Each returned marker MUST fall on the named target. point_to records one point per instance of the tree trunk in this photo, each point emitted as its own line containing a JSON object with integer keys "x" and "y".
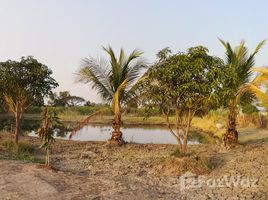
{"x": 230, "y": 138}
{"x": 178, "y": 127}
{"x": 47, "y": 157}
{"x": 17, "y": 127}
{"x": 117, "y": 134}
{"x": 188, "y": 124}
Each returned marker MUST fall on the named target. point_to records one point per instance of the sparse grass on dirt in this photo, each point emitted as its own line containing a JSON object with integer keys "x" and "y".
{"x": 95, "y": 170}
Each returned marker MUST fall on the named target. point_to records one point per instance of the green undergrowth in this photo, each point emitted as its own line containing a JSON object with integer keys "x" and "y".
{"x": 23, "y": 151}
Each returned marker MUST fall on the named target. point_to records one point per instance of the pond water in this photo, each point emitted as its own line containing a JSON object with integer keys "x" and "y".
{"x": 137, "y": 134}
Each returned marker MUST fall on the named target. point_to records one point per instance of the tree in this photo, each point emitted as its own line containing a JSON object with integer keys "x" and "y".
{"x": 114, "y": 81}
{"x": 23, "y": 84}
{"x": 50, "y": 122}
{"x": 75, "y": 101}
{"x": 237, "y": 83}
{"x": 64, "y": 99}
{"x": 89, "y": 103}
{"x": 187, "y": 83}
{"x": 60, "y": 99}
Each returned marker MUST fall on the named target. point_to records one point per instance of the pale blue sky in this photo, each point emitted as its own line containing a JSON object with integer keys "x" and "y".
{"x": 61, "y": 32}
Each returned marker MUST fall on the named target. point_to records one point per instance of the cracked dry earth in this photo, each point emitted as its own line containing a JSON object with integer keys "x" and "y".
{"x": 88, "y": 170}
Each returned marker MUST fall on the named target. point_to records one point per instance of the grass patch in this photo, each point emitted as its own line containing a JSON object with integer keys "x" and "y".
{"x": 194, "y": 164}
{"x": 177, "y": 164}
{"x": 203, "y": 138}
{"x": 23, "y": 151}
{"x": 31, "y": 159}
{"x": 22, "y": 148}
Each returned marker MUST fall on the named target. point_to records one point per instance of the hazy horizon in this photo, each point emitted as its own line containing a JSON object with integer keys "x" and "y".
{"x": 60, "y": 33}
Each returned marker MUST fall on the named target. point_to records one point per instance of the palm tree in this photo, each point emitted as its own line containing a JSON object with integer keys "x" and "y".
{"x": 114, "y": 81}
{"x": 239, "y": 66}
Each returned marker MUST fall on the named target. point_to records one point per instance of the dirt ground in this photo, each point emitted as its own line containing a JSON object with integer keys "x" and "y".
{"x": 91, "y": 170}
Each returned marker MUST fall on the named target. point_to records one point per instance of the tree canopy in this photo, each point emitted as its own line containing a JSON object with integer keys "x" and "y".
{"x": 26, "y": 79}
{"x": 64, "y": 98}
{"x": 24, "y": 83}
{"x": 185, "y": 82}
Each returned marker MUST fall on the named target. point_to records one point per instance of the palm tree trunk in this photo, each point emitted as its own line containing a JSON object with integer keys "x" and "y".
{"x": 117, "y": 134}
{"x": 230, "y": 138}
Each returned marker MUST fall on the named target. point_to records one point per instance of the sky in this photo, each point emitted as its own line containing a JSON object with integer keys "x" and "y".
{"x": 59, "y": 33}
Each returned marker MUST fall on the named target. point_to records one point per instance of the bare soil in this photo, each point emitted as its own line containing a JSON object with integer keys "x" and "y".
{"x": 95, "y": 170}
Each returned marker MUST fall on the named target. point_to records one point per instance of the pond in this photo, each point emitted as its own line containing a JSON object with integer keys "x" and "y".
{"x": 138, "y": 134}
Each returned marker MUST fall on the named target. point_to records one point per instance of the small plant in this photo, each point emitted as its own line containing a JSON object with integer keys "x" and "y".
{"x": 50, "y": 122}
{"x": 176, "y": 153}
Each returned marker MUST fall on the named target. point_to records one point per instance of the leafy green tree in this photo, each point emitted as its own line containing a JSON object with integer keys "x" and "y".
{"x": 238, "y": 83}
{"x": 23, "y": 84}
{"x": 60, "y": 99}
{"x": 75, "y": 101}
{"x": 188, "y": 83}
{"x": 64, "y": 99}
{"x": 50, "y": 122}
{"x": 89, "y": 103}
{"x": 114, "y": 81}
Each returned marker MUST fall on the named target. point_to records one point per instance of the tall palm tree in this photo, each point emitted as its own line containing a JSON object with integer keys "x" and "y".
{"x": 239, "y": 66}
{"x": 114, "y": 81}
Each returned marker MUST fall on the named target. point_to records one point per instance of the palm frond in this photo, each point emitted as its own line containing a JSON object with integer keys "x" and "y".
{"x": 229, "y": 51}
{"x": 134, "y": 93}
{"x": 250, "y": 60}
{"x": 241, "y": 91}
{"x": 113, "y": 81}
{"x": 110, "y": 51}
{"x": 121, "y": 57}
{"x": 262, "y": 96}
{"x": 239, "y": 64}
{"x": 97, "y": 74}
{"x": 262, "y": 76}
{"x": 115, "y": 68}
{"x": 135, "y": 71}
{"x": 259, "y": 46}
{"x": 135, "y": 54}
{"x": 84, "y": 123}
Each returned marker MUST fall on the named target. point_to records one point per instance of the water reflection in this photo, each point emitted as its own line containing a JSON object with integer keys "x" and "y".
{"x": 131, "y": 133}
{"x": 137, "y": 134}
